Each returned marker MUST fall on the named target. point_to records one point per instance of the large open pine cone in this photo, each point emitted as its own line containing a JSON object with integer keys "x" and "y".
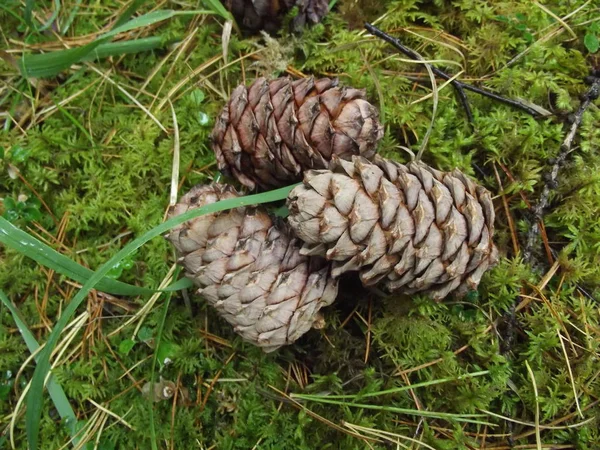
{"x": 407, "y": 227}
{"x": 255, "y": 15}
{"x": 271, "y": 132}
{"x": 250, "y": 269}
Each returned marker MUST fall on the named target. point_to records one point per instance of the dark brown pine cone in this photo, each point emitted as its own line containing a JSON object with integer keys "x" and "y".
{"x": 256, "y": 15}
{"x": 268, "y": 134}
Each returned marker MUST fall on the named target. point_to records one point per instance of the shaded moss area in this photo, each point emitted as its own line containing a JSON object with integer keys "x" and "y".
{"x": 96, "y": 167}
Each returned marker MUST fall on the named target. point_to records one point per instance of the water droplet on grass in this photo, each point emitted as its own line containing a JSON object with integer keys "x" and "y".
{"x": 203, "y": 118}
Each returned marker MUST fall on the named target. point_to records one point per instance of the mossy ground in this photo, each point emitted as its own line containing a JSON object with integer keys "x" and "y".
{"x": 102, "y": 166}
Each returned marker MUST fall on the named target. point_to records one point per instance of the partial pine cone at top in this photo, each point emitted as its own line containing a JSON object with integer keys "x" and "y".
{"x": 256, "y": 15}
{"x": 250, "y": 269}
{"x": 407, "y": 228}
{"x": 268, "y": 134}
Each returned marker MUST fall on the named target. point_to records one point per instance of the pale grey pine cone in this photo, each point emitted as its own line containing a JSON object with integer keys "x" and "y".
{"x": 407, "y": 227}
{"x": 250, "y": 269}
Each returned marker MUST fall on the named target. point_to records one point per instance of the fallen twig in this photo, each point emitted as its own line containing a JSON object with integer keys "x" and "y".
{"x": 538, "y": 210}
{"x": 458, "y": 85}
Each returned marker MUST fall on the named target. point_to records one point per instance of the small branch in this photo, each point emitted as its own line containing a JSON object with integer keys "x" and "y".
{"x": 458, "y": 85}
{"x": 538, "y": 210}
{"x": 537, "y": 213}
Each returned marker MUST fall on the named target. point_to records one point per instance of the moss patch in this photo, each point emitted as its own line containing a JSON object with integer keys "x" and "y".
{"x": 102, "y": 166}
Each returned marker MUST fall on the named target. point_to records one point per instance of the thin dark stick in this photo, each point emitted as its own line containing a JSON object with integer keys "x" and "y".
{"x": 413, "y": 55}
{"x": 538, "y": 210}
{"x": 458, "y": 85}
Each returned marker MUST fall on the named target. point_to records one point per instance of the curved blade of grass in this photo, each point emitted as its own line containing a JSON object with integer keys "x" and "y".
{"x": 50, "y": 64}
{"x": 34, "y": 403}
{"x": 52, "y": 18}
{"x": 158, "y": 339}
{"x": 67, "y": 23}
{"x": 125, "y": 47}
{"x": 131, "y": 9}
{"x": 316, "y": 397}
{"x": 58, "y": 396}
{"x": 29, "y": 12}
{"x": 467, "y": 418}
{"x": 219, "y": 9}
{"x": 9, "y": 11}
{"x": 31, "y": 247}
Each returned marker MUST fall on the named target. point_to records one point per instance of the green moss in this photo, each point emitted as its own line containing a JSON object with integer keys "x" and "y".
{"x": 115, "y": 187}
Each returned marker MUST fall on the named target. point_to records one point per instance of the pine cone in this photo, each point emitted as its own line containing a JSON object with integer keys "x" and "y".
{"x": 250, "y": 269}
{"x": 270, "y": 133}
{"x": 311, "y": 11}
{"x": 256, "y": 15}
{"x": 406, "y": 227}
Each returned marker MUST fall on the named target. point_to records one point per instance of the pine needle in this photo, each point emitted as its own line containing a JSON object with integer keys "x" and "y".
{"x": 538, "y": 438}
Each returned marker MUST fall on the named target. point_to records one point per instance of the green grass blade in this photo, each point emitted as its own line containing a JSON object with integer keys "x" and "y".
{"x": 217, "y": 7}
{"x": 150, "y": 19}
{"x": 74, "y": 10}
{"x": 50, "y": 64}
{"x": 58, "y": 396}
{"x": 467, "y": 418}
{"x": 75, "y": 122}
{"x": 159, "y": 333}
{"x": 393, "y": 390}
{"x": 29, "y": 12}
{"x": 131, "y": 9}
{"x": 125, "y": 47}
{"x": 142, "y": 21}
{"x": 29, "y": 246}
{"x": 10, "y": 11}
{"x": 52, "y": 18}
{"x": 34, "y": 403}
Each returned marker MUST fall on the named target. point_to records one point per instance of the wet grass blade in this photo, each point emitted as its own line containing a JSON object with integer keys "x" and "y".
{"x": 34, "y": 398}
{"x": 31, "y": 247}
{"x": 58, "y": 396}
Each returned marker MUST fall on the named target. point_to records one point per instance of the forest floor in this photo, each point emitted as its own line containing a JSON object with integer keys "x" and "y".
{"x": 88, "y": 145}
